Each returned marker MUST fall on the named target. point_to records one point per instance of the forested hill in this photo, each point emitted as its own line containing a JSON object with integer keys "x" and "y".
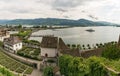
{"x": 56, "y": 21}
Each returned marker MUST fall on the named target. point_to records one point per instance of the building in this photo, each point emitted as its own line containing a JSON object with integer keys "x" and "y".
{"x": 4, "y": 34}
{"x": 12, "y": 44}
{"x": 51, "y": 46}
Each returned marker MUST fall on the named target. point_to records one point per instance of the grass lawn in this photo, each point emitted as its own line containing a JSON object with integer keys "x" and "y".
{"x": 14, "y": 65}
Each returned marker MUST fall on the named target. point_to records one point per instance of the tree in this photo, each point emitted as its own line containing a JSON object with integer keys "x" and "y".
{"x": 63, "y": 64}
{"x": 78, "y": 46}
{"x": 20, "y": 26}
{"x": 77, "y": 67}
{"x": 68, "y": 45}
{"x": 48, "y": 71}
{"x": 83, "y": 47}
{"x": 88, "y": 46}
{"x": 73, "y": 46}
{"x": 111, "y": 51}
{"x": 96, "y": 68}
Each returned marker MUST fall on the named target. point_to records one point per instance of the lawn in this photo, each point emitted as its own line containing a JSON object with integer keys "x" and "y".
{"x": 14, "y": 65}
{"x": 28, "y": 52}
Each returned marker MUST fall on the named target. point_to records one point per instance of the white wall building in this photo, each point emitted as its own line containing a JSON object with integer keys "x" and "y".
{"x": 52, "y": 46}
{"x": 4, "y": 34}
{"x": 49, "y": 47}
{"x": 12, "y": 44}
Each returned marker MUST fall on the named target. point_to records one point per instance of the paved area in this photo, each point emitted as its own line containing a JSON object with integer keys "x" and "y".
{"x": 36, "y": 73}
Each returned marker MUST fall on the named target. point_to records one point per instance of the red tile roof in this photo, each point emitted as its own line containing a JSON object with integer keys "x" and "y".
{"x": 3, "y": 32}
{"x": 95, "y": 52}
{"x": 73, "y": 52}
{"x": 49, "y": 42}
{"x": 12, "y": 40}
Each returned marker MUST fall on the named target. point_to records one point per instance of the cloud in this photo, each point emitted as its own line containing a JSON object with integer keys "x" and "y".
{"x": 68, "y": 4}
{"x": 66, "y": 16}
{"x": 83, "y": 11}
{"x": 61, "y": 10}
{"x": 93, "y": 17}
{"x": 107, "y": 10}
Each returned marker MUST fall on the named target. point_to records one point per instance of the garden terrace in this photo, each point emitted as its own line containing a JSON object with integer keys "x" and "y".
{"x": 31, "y": 43}
{"x": 31, "y": 53}
{"x": 14, "y": 65}
{"x": 23, "y": 34}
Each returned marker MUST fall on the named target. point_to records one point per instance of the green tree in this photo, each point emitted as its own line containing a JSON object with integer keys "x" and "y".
{"x": 79, "y": 46}
{"x": 83, "y": 47}
{"x": 20, "y": 26}
{"x": 73, "y": 46}
{"x": 96, "y": 68}
{"x": 63, "y": 64}
{"x": 77, "y": 67}
{"x": 68, "y": 45}
{"x": 48, "y": 71}
{"x": 111, "y": 51}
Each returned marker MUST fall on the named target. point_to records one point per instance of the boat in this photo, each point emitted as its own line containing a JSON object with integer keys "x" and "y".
{"x": 90, "y": 30}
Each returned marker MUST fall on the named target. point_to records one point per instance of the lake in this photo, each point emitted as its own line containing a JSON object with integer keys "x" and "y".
{"x": 79, "y": 35}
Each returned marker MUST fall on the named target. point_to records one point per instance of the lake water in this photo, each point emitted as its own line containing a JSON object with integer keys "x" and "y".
{"x": 79, "y": 35}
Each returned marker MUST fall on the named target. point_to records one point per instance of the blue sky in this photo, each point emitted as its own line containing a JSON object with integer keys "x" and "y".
{"x": 98, "y": 10}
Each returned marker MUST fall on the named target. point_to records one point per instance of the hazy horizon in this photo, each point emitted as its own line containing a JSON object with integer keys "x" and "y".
{"x": 96, "y": 10}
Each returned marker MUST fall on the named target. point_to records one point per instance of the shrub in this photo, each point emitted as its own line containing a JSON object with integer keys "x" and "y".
{"x": 48, "y": 71}
{"x": 111, "y": 51}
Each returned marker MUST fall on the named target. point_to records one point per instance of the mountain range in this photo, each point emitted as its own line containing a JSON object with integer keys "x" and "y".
{"x": 56, "y": 21}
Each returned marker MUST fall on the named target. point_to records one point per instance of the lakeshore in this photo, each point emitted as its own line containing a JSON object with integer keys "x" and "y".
{"x": 79, "y": 35}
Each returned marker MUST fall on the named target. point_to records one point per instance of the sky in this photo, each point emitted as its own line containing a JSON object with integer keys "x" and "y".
{"x": 96, "y": 10}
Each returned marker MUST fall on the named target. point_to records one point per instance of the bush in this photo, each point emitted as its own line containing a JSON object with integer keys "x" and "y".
{"x": 48, "y": 71}
{"x": 111, "y": 51}
{"x": 50, "y": 61}
{"x": 5, "y": 72}
{"x": 93, "y": 66}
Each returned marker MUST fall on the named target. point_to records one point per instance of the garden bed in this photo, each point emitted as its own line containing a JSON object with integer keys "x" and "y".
{"x": 31, "y": 53}
{"x": 13, "y": 65}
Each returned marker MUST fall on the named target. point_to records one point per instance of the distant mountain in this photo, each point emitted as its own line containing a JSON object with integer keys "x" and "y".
{"x": 56, "y": 21}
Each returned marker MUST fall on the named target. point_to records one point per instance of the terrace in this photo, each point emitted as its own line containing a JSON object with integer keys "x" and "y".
{"x": 14, "y": 65}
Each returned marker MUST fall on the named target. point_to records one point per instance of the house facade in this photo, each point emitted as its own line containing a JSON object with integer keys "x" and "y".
{"x": 4, "y": 34}
{"x": 52, "y": 46}
{"x": 49, "y": 46}
{"x": 12, "y": 44}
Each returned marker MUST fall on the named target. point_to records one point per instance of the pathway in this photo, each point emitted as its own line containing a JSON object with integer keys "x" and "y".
{"x": 36, "y": 73}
